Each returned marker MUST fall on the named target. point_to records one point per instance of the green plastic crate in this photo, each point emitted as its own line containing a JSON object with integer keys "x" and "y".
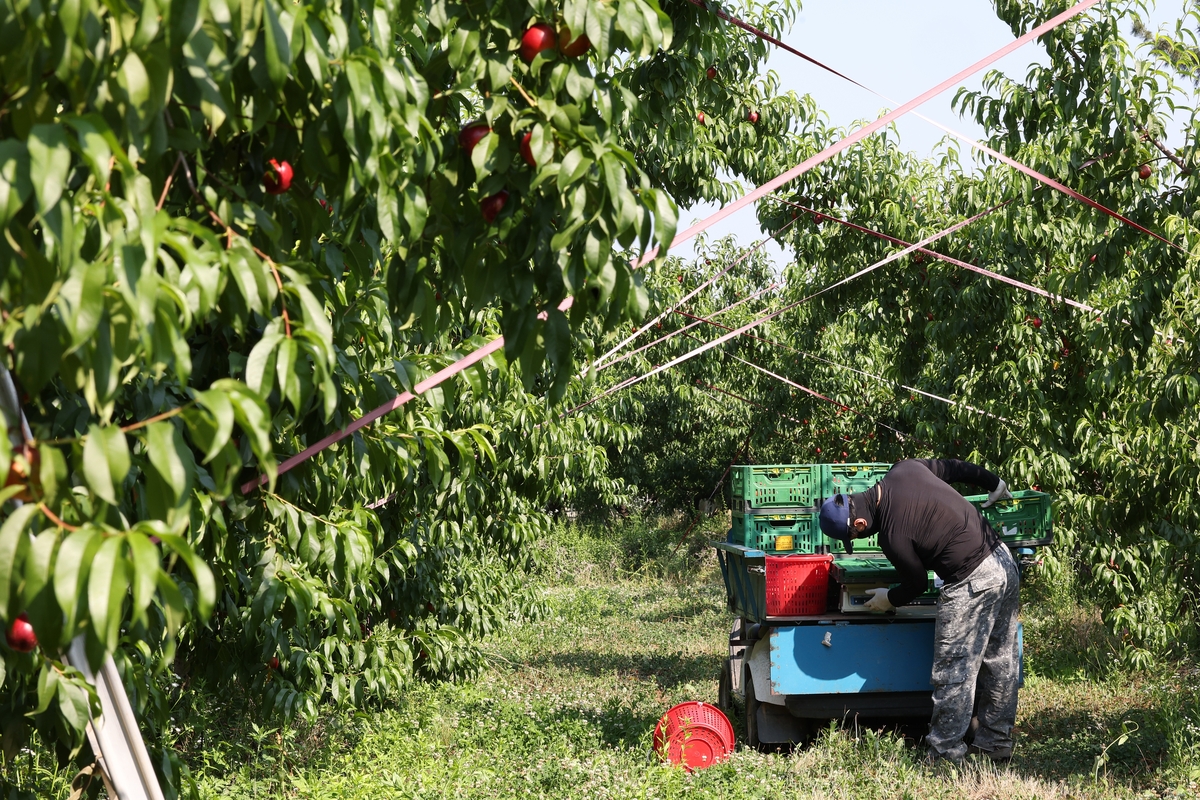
{"x": 763, "y": 531}
{"x": 868, "y": 570}
{"x": 850, "y": 478}
{"x": 776, "y": 485}
{"x": 1024, "y": 520}
{"x": 868, "y": 545}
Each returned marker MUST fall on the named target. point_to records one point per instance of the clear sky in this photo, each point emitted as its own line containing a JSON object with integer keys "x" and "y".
{"x": 900, "y": 48}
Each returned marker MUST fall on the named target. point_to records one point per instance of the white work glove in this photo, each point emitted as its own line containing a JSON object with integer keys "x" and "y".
{"x": 879, "y": 602}
{"x": 1001, "y": 492}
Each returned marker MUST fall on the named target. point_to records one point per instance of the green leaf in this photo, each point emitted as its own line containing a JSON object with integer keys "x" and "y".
{"x": 145, "y": 562}
{"x": 416, "y": 210}
{"x": 71, "y": 567}
{"x": 13, "y": 540}
{"x": 106, "y": 577}
{"x": 164, "y": 443}
{"x": 105, "y": 461}
{"x": 15, "y": 186}
{"x": 665, "y": 220}
{"x": 258, "y": 365}
{"x": 173, "y": 606}
{"x": 629, "y": 19}
{"x": 221, "y": 407}
{"x": 98, "y": 146}
{"x": 316, "y": 319}
{"x": 205, "y": 585}
{"x": 135, "y": 80}
{"x": 49, "y": 163}
{"x": 482, "y": 155}
{"x": 85, "y": 293}
{"x": 541, "y": 145}
{"x": 51, "y": 472}
{"x": 285, "y": 371}
{"x": 46, "y": 689}
{"x": 74, "y": 705}
{"x": 254, "y": 418}
{"x": 574, "y": 166}
{"x": 277, "y": 28}
{"x": 38, "y": 562}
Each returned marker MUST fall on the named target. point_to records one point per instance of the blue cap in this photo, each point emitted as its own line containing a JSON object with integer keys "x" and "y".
{"x": 835, "y": 520}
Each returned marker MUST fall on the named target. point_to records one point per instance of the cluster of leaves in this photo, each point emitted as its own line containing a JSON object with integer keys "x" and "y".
{"x": 179, "y": 316}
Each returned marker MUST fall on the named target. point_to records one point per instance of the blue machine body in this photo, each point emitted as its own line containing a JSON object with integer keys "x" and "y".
{"x": 874, "y": 655}
{"x": 850, "y": 658}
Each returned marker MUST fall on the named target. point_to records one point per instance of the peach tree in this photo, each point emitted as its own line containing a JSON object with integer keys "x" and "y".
{"x": 232, "y": 228}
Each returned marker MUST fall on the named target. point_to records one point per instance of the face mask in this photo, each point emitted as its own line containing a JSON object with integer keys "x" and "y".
{"x": 862, "y": 506}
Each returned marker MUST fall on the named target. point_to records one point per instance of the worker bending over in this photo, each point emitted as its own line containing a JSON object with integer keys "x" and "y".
{"x": 924, "y": 524}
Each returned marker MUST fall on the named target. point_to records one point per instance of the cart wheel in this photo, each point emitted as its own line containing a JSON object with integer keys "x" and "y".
{"x": 725, "y": 690}
{"x": 752, "y": 740}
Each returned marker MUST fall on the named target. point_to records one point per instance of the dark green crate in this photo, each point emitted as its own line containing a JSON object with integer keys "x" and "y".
{"x": 776, "y": 485}
{"x": 1024, "y": 520}
{"x": 863, "y": 570}
{"x": 850, "y": 478}
{"x": 867, "y": 570}
{"x": 762, "y": 531}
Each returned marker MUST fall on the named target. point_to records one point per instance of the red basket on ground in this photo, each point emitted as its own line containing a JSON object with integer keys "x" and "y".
{"x": 694, "y": 734}
{"x": 797, "y": 585}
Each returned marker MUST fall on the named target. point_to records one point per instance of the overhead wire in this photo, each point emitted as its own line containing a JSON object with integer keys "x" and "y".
{"x": 705, "y": 284}
{"x": 878, "y": 378}
{"x": 767, "y": 317}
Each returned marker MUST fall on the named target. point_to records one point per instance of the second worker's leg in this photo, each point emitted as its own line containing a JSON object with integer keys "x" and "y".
{"x": 999, "y": 671}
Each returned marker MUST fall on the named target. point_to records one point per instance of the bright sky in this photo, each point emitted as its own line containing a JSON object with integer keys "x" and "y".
{"x": 898, "y": 47}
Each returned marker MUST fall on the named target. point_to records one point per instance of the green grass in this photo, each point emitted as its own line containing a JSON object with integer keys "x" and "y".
{"x": 567, "y": 705}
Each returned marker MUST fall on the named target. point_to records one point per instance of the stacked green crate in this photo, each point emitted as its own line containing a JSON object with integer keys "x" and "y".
{"x": 1024, "y": 521}
{"x": 848, "y": 479}
{"x": 777, "y": 530}
{"x": 775, "y": 507}
{"x": 776, "y": 485}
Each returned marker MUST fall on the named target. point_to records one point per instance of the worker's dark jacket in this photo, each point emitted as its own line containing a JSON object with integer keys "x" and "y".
{"x": 925, "y": 524}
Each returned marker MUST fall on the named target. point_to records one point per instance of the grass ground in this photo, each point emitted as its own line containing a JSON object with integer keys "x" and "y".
{"x": 567, "y": 706}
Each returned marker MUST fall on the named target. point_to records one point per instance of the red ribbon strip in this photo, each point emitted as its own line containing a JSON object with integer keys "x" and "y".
{"x": 866, "y": 131}
{"x": 689, "y": 326}
{"x": 747, "y": 401}
{"x": 951, "y": 260}
{"x": 820, "y": 396}
{"x": 881, "y": 379}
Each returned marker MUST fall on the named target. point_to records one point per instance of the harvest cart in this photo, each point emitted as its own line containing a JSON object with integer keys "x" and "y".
{"x": 796, "y": 658}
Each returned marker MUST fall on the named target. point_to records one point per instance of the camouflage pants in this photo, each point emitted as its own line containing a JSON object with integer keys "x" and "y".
{"x": 975, "y": 656}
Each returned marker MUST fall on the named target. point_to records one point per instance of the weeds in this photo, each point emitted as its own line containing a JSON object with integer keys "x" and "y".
{"x": 566, "y": 706}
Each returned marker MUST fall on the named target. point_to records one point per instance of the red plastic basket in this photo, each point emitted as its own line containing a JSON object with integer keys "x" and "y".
{"x": 694, "y": 734}
{"x": 797, "y": 584}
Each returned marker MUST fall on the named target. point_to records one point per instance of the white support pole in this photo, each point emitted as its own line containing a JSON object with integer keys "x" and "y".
{"x": 114, "y": 736}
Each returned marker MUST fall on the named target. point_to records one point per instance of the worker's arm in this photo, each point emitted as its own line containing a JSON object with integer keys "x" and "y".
{"x": 952, "y": 470}
{"x": 913, "y": 578}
